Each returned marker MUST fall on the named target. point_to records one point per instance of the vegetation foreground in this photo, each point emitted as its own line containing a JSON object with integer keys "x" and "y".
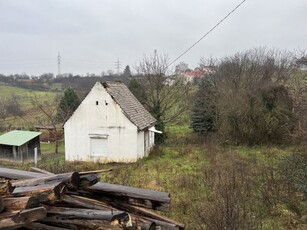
{"x": 217, "y": 181}
{"x": 212, "y": 186}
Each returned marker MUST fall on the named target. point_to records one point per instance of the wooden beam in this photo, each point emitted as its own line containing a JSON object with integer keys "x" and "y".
{"x": 146, "y": 213}
{"x": 80, "y": 223}
{"x": 72, "y": 180}
{"x": 163, "y": 225}
{"x": 6, "y": 188}
{"x": 44, "y": 193}
{"x": 136, "y": 196}
{"x": 20, "y": 203}
{"x": 79, "y": 213}
{"x": 38, "y": 170}
{"x": 83, "y": 202}
{"x": 40, "y": 226}
{"x": 1, "y": 205}
{"x": 13, "y": 220}
{"x": 88, "y": 180}
{"x": 95, "y": 171}
{"x": 17, "y": 174}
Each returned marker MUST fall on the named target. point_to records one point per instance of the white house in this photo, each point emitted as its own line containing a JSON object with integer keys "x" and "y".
{"x": 110, "y": 125}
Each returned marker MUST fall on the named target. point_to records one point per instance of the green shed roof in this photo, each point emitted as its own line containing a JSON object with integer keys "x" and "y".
{"x": 17, "y": 137}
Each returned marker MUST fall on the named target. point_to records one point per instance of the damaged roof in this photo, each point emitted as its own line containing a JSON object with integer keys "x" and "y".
{"x": 130, "y": 105}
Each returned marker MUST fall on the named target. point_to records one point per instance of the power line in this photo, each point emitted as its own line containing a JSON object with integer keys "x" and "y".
{"x": 205, "y": 35}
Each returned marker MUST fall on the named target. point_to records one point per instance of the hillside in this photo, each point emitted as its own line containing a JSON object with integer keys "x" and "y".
{"x": 23, "y": 97}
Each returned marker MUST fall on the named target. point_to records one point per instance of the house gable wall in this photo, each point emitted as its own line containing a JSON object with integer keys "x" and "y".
{"x": 99, "y": 115}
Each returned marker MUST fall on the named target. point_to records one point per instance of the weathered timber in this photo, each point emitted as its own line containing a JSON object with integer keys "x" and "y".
{"x": 87, "y": 180}
{"x": 120, "y": 190}
{"x": 79, "y": 213}
{"x": 6, "y": 187}
{"x": 18, "y": 174}
{"x": 13, "y": 220}
{"x": 145, "y": 213}
{"x": 109, "y": 198}
{"x": 40, "y": 226}
{"x": 95, "y": 171}
{"x": 162, "y": 224}
{"x": 44, "y": 193}
{"x": 1, "y": 205}
{"x": 136, "y": 196}
{"x": 20, "y": 203}
{"x": 114, "y": 217}
{"x": 83, "y": 202}
{"x": 72, "y": 180}
{"x": 143, "y": 224}
{"x": 81, "y": 224}
{"x": 34, "y": 169}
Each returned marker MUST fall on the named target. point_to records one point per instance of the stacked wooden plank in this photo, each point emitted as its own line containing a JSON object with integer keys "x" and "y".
{"x": 77, "y": 200}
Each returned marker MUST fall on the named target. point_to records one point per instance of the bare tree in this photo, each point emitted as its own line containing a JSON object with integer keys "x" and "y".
{"x": 166, "y": 96}
{"x": 164, "y": 91}
{"x": 47, "y": 118}
{"x": 181, "y": 67}
{"x": 3, "y": 113}
{"x": 297, "y": 85}
{"x": 13, "y": 107}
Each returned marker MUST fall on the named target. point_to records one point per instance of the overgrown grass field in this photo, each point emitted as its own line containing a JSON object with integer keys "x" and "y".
{"x": 24, "y": 97}
{"x": 209, "y": 182}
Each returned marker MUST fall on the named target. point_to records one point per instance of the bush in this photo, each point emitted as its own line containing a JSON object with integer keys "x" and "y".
{"x": 294, "y": 172}
{"x": 248, "y": 100}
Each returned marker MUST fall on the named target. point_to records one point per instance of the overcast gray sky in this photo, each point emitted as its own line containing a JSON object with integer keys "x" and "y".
{"x": 91, "y": 34}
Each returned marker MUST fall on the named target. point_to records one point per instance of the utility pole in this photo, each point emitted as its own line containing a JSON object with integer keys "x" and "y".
{"x": 117, "y": 66}
{"x": 59, "y": 64}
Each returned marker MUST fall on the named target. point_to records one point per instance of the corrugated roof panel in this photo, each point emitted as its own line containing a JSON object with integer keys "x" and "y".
{"x": 17, "y": 137}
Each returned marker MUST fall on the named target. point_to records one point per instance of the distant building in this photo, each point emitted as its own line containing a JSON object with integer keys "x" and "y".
{"x": 191, "y": 75}
{"x": 110, "y": 125}
{"x": 19, "y": 145}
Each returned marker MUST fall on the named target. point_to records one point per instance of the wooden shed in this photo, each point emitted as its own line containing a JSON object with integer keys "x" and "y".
{"x": 19, "y": 145}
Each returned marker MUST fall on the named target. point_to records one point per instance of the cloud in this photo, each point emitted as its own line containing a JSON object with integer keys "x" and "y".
{"x": 103, "y": 30}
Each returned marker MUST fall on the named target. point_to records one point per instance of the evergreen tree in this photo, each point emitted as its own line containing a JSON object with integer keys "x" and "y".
{"x": 138, "y": 91}
{"x": 204, "y": 111}
{"x": 127, "y": 72}
{"x": 68, "y": 104}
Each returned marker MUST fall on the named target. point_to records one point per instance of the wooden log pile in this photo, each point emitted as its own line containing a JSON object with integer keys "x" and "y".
{"x": 77, "y": 200}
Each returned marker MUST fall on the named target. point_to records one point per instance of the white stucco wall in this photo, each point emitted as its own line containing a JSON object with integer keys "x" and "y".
{"x": 146, "y": 141}
{"x": 140, "y": 143}
{"x": 105, "y": 120}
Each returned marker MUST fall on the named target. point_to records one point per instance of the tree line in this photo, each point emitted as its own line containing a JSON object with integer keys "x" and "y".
{"x": 255, "y": 97}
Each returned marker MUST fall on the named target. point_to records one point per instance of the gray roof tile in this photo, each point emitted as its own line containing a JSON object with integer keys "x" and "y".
{"x": 130, "y": 105}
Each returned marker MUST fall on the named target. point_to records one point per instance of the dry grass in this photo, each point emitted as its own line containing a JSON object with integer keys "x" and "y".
{"x": 211, "y": 186}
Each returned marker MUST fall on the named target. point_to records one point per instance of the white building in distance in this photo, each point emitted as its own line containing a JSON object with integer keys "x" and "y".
{"x": 110, "y": 125}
